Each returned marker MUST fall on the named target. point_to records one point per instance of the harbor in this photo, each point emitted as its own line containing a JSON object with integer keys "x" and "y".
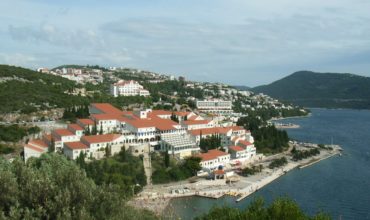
{"x": 157, "y": 197}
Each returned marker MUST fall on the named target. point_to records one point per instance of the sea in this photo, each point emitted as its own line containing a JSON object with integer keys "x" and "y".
{"x": 339, "y": 186}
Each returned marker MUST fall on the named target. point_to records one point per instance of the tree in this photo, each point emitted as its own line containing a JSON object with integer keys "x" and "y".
{"x": 94, "y": 129}
{"x": 80, "y": 160}
{"x": 174, "y": 118}
{"x": 52, "y": 145}
{"x": 87, "y": 130}
{"x": 166, "y": 159}
{"x": 108, "y": 151}
{"x": 101, "y": 129}
{"x": 39, "y": 190}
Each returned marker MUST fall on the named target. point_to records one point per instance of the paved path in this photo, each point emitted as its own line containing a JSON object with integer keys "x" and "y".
{"x": 147, "y": 165}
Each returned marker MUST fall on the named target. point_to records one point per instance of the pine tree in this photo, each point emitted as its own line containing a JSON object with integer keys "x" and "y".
{"x": 167, "y": 159}
{"x": 52, "y": 145}
{"x": 94, "y": 129}
{"x": 101, "y": 129}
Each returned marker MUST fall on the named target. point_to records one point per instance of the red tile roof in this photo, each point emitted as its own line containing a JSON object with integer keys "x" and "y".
{"x": 86, "y": 121}
{"x": 75, "y": 145}
{"x": 34, "y": 148}
{"x": 106, "y": 108}
{"x": 211, "y": 155}
{"x": 38, "y": 142}
{"x": 182, "y": 114}
{"x": 63, "y": 132}
{"x": 237, "y": 128}
{"x": 245, "y": 143}
{"x": 99, "y": 117}
{"x": 75, "y": 127}
{"x": 100, "y": 138}
{"x": 192, "y": 118}
{"x": 206, "y": 131}
{"x": 236, "y": 148}
{"x": 196, "y": 122}
{"x": 140, "y": 123}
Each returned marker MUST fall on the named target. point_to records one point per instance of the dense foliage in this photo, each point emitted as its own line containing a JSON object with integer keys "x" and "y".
{"x": 14, "y": 133}
{"x": 278, "y": 163}
{"x": 6, "y": 149}
{"x": 123, "y": 170}
{"x": 209, "y": 143}
{"x": 249, "y": 171}
{"x": 302, "y": 154}
{"x": 175, "y": 171}
{"x": 268, "y": 139}
{"x": 329, "y": 90}
{"x": 75, "y": 112}
{"x": 27, "y": 91}
{"x": 282, "y": 208}
{"x": 52, "y": 187}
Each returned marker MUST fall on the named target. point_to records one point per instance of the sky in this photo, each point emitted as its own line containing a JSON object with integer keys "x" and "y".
{"x": 239, "y": 42}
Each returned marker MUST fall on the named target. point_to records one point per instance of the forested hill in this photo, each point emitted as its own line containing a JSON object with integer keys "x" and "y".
{"x": 25, "y": 90}
{"x": 328, "y": 90}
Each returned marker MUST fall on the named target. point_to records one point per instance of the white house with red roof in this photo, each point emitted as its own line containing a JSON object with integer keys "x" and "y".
{"x": 98, "y": 143}
{"x": 197, "y": 124}
{"x": 214, "y": 158}
{"x": 128, "y": 88}
{"x": 61, "y": 136}
{"x": 76, "y": 129}
{"x": 73, "y": 149}
{"x": 34, "y": 148}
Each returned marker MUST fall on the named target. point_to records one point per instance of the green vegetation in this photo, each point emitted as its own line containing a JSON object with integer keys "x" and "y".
{"x": 302, "y": 154}
{"x": 75, "y": 112}
{"x": 282, "y": 208}
{"x": 249, "y": 171}
{"x": 14, "y": 133}
{"x": 52, "y": 187}
{"x": 268, "y": 139}
{"x": 208, "y": 143}
{"x": 175, "y": 171}
{"x": 123, "y": 170}
{"x": 328, "y": 90}
{"x": 6, "y": 149}
{"x": 278, "y": 163}
{"x": 31, "y": 91}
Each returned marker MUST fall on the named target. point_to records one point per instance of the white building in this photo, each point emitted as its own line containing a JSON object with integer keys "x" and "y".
{"x": 214, "y": 158}
{"x": 179, "y": 145}
{"x": 34, "y": 148}
{"x": 128, "y": 88}
{"x": 215, "y": 106}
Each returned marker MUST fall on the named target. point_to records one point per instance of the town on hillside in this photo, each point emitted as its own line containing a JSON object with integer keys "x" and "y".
{"x": 110, "y": 130}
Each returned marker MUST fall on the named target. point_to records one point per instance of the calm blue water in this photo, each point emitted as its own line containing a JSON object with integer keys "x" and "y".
{"x": 339, "y": 186}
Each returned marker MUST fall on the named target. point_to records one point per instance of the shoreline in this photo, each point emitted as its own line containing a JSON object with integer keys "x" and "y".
{"x": 158, "y": 198}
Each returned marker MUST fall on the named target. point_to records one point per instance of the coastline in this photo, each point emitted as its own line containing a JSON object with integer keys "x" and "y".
{"x": 157, "y": 198}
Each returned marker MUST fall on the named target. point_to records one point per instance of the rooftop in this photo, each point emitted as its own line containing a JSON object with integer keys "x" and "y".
{"x": 63, "y": 132}
{"x": 211, "y": 155}
{"x": 236, "y": 148}
{"x": 76, "y": 145}
{"x": 75, "y": 127}
{"x": 100, "y": 138}
{"x": 106, "y": 108}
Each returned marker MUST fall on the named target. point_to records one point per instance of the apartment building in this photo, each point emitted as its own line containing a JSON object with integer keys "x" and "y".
{"x": 128, "y": 88}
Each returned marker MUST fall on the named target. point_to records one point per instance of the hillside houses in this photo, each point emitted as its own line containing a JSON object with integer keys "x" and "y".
{"x": 110, "y": 130}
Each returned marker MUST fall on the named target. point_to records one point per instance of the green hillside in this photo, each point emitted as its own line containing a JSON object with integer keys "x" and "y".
{"x": 329, "y": 90}
{"x": 26, "y": 91}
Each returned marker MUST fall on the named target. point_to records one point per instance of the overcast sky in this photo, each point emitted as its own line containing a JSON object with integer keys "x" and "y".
{"x": 240, "y": 42}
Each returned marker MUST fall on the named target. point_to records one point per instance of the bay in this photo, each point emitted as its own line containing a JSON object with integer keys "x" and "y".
{"x": 339, "y": 186}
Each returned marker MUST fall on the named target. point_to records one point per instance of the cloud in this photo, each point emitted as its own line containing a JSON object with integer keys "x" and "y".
{"x": 56, "y": 36}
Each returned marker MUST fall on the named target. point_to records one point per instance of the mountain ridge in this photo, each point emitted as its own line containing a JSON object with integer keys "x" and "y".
{"x": 315, "y": 89}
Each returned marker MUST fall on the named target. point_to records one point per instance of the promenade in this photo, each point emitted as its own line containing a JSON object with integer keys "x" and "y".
{"x": 157, "y": 197}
